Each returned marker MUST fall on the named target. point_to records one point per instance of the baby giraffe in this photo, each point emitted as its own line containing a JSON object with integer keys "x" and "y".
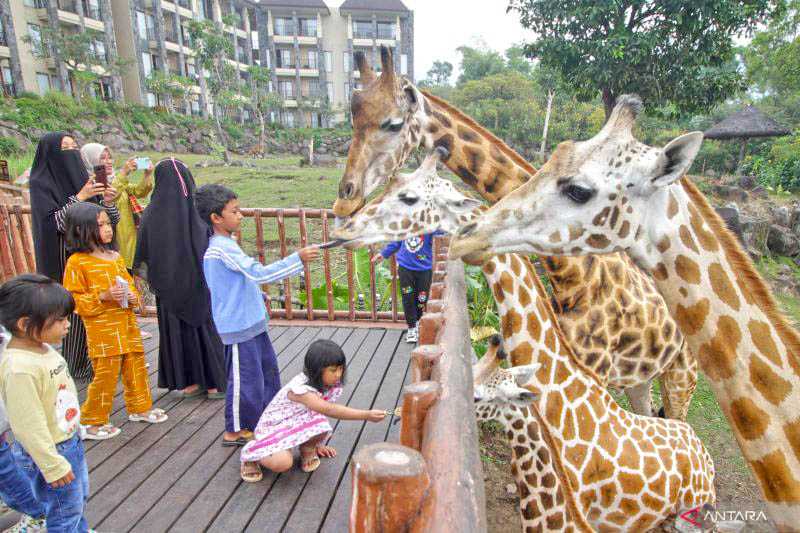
{"x": 546, "y": 500}
{"x": 628, "y": 472}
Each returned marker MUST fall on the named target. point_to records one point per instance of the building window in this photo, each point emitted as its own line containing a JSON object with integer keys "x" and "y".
{"x": 151, "y": 28}
{"x": 37, "y": 45}
{"x": 404, "y": 64}
{"x": 288, "y": 119}
{"x": 100, "y": 49}
{"x": 92, "y": 9}
{"x": 308, "y": 27}
{"x": 147, "y": 64}
{"x": 8, "y": 81}
{"x": 312, "y": 60}
{"x": 286, "y": 89}
{"x": 151, "y": 100}
{"x": 313, "y": 89}
{"x": 329, "y": 90}
{"x": 386, "y": 30}
{"x": 346, "y": 92}
{"x": 195, "y": 107}
{"x": 283, "y": 58}
{"x": 141, "y": 24}
{"x": 346, "y": 59}
{"x": 363, "y": 29}
{"x": 284, "y": 26}
{"x": 44, "y": 82}
{"x": 328, "y": 61}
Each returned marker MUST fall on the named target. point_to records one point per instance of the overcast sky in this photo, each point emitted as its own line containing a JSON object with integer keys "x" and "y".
{"x": 441, "y": 26}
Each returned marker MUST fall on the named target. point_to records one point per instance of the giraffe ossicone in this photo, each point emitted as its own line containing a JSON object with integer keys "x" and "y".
{"x": 611, "y": 193}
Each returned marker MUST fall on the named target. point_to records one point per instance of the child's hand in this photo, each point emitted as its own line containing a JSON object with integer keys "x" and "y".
{"x": 377, "y": 258}
{"x": 375, "y": 415}
{"x": 64, "y": 481}
{"x": 309, "y": 253}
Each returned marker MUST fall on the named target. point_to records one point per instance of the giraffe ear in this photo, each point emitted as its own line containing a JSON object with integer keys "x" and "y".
{"x": 524, "y": 373}
{"x": 676, "y": 158}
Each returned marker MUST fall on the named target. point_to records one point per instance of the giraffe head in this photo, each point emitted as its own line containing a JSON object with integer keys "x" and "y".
{"x": 591, "y": 197}
{"x": 386, "y": 128}
{"x": 499, "y": 389}
{"x": 412, "y": 204}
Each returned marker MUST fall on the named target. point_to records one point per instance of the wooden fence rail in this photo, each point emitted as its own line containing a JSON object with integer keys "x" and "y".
{"x": 433, "y": 480}
{"x": 17, "y": 257}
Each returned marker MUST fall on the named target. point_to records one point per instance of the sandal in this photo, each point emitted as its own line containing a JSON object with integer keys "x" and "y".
{"x": 102, "y": 433}
{"x": 251, "y": 472}
{"x": 245, "y": 436}
{"x": 194, "y": 394}
{"x": 308, "y": 462}
{"x": 153, "y": 416}
{"x": 219, "y": 395}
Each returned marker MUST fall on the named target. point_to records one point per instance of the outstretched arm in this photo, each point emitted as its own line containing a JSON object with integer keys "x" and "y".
{"x": 334, "y": 410}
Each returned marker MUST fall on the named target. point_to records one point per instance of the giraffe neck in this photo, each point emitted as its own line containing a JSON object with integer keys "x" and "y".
{"x": 744, "y": 345}
{"x": 483, "y": 161}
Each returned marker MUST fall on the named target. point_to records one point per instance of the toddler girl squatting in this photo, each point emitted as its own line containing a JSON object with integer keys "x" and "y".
{"x": 297, "y": 416}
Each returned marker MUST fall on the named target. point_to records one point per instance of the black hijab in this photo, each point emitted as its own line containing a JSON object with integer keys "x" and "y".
{"x": 172, "y": 241}
{"x": 55, "y": 176}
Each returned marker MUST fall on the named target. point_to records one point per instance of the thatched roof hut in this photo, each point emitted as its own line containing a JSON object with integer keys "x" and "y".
{"x": 745, "y": 124}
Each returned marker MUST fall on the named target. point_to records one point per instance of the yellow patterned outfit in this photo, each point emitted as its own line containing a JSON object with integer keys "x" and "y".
{"x": 115, "y": 342}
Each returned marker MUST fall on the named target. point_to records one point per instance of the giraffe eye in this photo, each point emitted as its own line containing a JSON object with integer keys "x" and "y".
{"x": 577, "y": 193}
{"x": 408, "y": 199}
{"x": 393, "y": 125}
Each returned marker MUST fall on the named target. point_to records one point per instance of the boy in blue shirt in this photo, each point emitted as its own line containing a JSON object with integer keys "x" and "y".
{"x": 415, "y": 269}
{"x": 237, "y": 306}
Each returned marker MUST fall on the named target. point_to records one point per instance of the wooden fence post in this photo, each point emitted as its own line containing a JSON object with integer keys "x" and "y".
{"x": 429, "y": 326}
{"x": 422, "y": 360}
{"x": 417, "y": 400}
{"x": 436, "y": 292}
{"x": 389, "y": 484}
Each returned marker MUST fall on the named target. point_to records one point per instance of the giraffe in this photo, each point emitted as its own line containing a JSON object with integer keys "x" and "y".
{"x": 423, "y": 202}
{"x": 606, "y": 303}
{"x": 628, "y": 472}
{"x": 613, "y": 193}
{"x": 546, "y": 500}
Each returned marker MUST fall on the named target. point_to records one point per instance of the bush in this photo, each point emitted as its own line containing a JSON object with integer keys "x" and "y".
{"x": 777, "y": 169}
{"x": 9, "y": 146}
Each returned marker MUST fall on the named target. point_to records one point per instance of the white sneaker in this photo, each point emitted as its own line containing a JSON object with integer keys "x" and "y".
{"x": 28, "y": 524}
{"x": 412, "y": 335}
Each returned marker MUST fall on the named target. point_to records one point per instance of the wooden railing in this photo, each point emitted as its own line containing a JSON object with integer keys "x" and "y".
{"x": 312, "y": 226}
{"x": 432, "y": 481}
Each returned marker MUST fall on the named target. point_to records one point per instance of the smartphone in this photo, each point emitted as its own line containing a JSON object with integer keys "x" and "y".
{"x": 100, "y": 175}
{"x": 142, "y": 163}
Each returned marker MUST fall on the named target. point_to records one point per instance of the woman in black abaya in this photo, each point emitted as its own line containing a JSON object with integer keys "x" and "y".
{"x": 58, "y": 180}
{"x": 169, "y": 255}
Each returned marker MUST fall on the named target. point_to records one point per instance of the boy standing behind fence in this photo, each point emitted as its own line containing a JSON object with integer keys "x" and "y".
{"x": 237, "y": 305}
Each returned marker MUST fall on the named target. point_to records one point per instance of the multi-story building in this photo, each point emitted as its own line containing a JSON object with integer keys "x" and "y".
{"x": 307, "y": 45}
{"x": 154, "y": 34}
{"x": 28, "y": 64}
{"x": 309, "y": 49}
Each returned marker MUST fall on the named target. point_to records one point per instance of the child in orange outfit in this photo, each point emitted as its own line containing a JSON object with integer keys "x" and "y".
{"x": 93, "y": 275}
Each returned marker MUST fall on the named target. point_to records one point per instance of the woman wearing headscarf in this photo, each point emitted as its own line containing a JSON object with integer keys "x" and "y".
{"x": 95, "y": 154}
{"x": 169, "y": 255}
{"x": 58, "y": 180}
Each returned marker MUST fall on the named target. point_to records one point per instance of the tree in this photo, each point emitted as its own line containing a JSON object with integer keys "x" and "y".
{"x": 668, "y": 52}
{"x": 772, "y": 58}
{"x": 211, "y": 47}
{"x": 477, "y": 63}
{"x": 517, "y": 61}
{"x": 77, "y": 51}
{"x": 440, "y": 73}
{"x": 174, "y": 88}
{"x": 261, "y": 100}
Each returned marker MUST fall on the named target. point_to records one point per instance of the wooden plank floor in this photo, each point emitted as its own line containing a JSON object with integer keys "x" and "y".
{"x": 176, "y": 476}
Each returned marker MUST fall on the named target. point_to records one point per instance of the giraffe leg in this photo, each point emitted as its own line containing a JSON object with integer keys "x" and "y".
{"x": 678, "y": 383}
{"x": 641, "y": 401}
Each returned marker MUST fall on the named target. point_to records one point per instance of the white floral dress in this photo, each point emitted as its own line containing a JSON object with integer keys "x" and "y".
{"x": 285, "y": 424}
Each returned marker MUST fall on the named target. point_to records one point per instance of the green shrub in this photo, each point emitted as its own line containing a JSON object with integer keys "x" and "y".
{"x": 9, "y": 146}
{"x": 777, "y": 169}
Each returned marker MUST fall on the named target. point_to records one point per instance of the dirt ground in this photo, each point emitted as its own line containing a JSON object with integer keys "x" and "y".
{"x": 736, "y": 491}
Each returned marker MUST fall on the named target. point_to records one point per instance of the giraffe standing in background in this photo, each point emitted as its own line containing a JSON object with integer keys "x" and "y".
{"x": 546, "y": 500}
{"x": 627, "y": 472}
{"x": 607, "y": 305}
{"x": 422, "y": 202}
{"x": 613, "y": 193}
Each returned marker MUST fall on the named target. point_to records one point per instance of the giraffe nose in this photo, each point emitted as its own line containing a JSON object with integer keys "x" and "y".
{"x": 466, "y": 230}
{"x": 347, "y": 191}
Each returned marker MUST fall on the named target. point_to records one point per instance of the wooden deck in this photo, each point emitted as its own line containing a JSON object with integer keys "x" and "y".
{"x": 176, "y": 476}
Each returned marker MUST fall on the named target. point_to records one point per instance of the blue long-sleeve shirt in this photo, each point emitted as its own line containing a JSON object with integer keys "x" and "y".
{"x": 233, "y": 278}
{"x": 414, "y": 253}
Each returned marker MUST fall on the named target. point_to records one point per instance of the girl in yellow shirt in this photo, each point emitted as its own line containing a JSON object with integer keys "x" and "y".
{"x": 104, "y": 298}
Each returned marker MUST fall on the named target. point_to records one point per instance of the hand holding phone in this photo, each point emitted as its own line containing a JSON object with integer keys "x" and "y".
{"x": 143, "y": 163}
{"x": 100, "y": 175}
